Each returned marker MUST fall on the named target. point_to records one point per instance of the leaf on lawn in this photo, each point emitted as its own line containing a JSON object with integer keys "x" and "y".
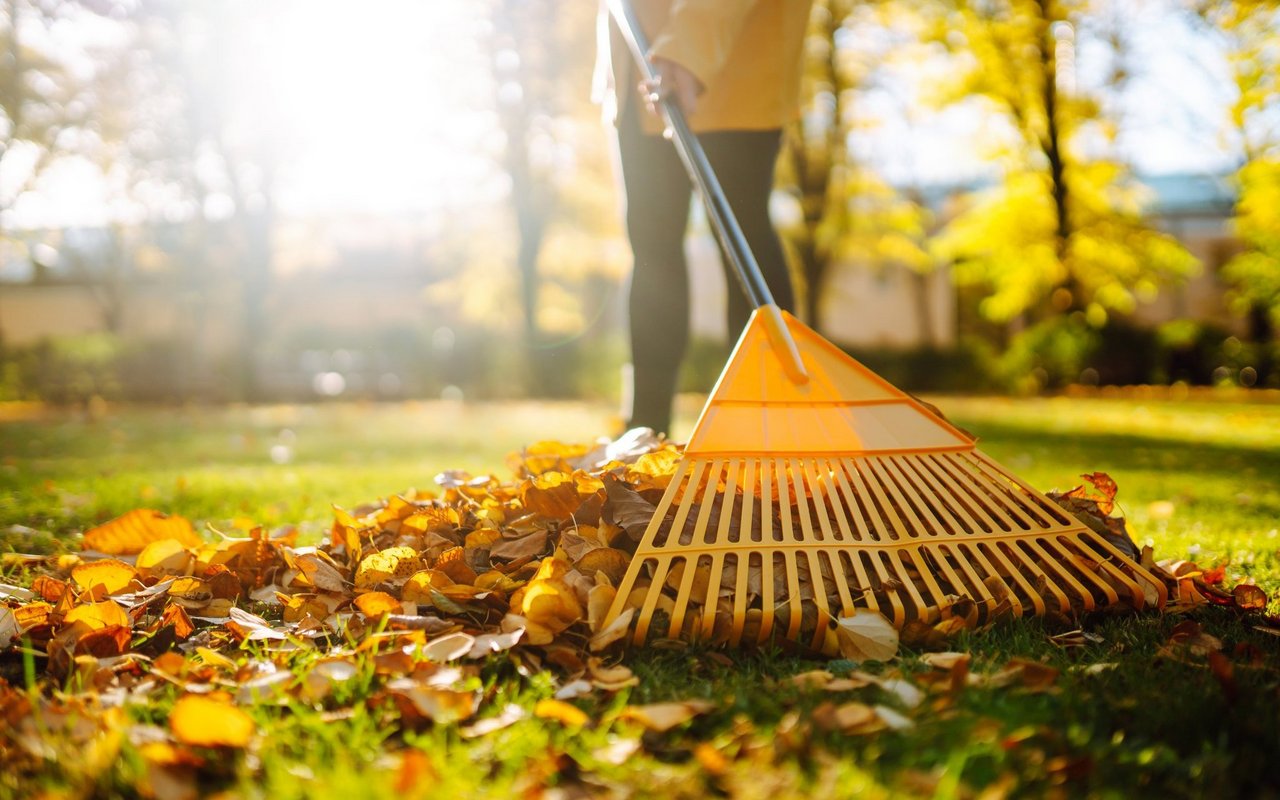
{"x": 662, "y": 717}
{"x": 251, "y": 627}
{"x": 441, "y": 705}
{"x": 613, "y": 632}
{"x": 130, "y": 533}
{"x": 489, "y": 643}
{"x": 321, "y": 573}
{"x": 9, "y": 629}
{"x": 202, "y": 721}
{"x": 945, "y": 661}
{"x": 1249, "y": 597}
{"x": 98, "y": 615}
{"x": 450, "y": 647}
{"x": 611, "y": 561}
{"x": 164, "y": 557}
{"x": 176, "y": 616}
{"x": 510, "y": 715}
{"x": 547, "y": 600}
{"x": 374, "y": 604}
{"x": 625, "y": 508}
{"x": 553, "y": 495}
{"x": 562, "y": 712}
{"x": 112, "y": 575}
{"x": 610, "y": 679}
{"x": 866, "y": 636}
{"x": 527, "y": 546}
{"x": 394, "y": 563}
{"x": 851, "y": 718}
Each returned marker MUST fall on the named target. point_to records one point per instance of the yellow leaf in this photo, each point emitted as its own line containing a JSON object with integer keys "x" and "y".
{"x": 553, "y": 495}
{"x": 130, "y": 533}
{"x": 610, "y": 561}
{"x": 98, "y": 615}
{"x": 164, "y": 557}
{"x": 599, "y": 599}
{"x": 114, "y": 575}
{"x": 375, "y": 604}
{"x": 418, "y": 588}
{"x": 552, "y": 604}
{"x": 561, "y": 712}
{"x": 387, "y": 565}
{"x": 205, "y": 722}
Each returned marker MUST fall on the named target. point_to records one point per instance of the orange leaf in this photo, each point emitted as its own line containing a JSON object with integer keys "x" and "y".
{"x": 176, "y": 616}
{"x": 114, "y": 575}
{"x": 561, "y": 712}
{"x": 375, "y": 604}
{"x": 204, "y": 722}
{"x": 129, "y": 534}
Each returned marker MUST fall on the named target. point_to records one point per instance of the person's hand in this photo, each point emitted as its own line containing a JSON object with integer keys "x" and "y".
{"x": 675, "y": 81}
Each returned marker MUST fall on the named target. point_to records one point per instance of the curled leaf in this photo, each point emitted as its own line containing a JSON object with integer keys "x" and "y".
{"x": 866, "y": 636}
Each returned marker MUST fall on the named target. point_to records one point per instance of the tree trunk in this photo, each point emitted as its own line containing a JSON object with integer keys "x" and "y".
{"x": 1051, "y": 144}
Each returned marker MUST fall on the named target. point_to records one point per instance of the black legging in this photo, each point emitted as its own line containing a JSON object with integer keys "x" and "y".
{"x": 657, "y": 195}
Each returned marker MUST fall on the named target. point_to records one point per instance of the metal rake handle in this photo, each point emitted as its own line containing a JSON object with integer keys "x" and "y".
{"x": 723, "y": 221}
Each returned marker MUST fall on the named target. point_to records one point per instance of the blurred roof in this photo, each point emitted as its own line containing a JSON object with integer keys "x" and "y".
{"x": 1186, "y": 193}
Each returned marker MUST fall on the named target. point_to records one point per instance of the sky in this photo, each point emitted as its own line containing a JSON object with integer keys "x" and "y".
{"x": 391, "y": 112}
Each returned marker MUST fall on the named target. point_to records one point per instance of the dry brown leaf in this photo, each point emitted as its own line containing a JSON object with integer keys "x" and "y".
{"x": 440, "y": 705}
{"x": 130, "y": 533}
{"x": 851, "y": 718}
{"x": 867, "y": 636}
{"x": 9, "y": 630}
{"x": 320, "y": 572}
{"x": 612, "y": 562}
{"x": 625, "y": 508}
{"x": 662, "y": 717}
{"x": 527, "y": 546}
{"x": 510, "y": 715}
{"x": 1249, "y": 597}
{"x": 945, "y": 661}
{"x": 613, "y": 632}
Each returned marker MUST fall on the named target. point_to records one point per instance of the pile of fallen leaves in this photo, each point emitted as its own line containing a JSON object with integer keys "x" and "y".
{"x": 424, "y": 585}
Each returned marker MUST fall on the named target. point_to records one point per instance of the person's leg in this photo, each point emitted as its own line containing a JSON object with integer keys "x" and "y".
{"x": 744, "y": 163}
{"x": 657, "y": 196}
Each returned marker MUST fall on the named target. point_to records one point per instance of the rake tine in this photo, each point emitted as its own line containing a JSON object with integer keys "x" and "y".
{"x": 864, "y": 520}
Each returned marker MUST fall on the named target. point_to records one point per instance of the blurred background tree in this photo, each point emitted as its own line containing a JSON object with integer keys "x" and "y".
{"x": 1247, "y": 30}
{"x": 301, "y": 200}
{"x": 1062, "y": 232}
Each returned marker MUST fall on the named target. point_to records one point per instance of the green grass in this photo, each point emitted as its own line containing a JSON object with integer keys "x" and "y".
{"x": 1199, "y": 479}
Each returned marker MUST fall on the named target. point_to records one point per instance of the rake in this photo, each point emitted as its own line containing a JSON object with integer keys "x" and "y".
{"x": 812, "y": 488}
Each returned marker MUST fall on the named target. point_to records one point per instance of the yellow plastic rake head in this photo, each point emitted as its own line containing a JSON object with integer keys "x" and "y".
{"x": 800, "y": 501}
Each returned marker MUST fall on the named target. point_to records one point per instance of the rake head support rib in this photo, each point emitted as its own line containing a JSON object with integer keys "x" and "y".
{"x": 799, "y": 503}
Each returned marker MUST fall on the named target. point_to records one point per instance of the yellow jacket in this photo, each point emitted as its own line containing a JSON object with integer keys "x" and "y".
{"x": 747, "y": 53}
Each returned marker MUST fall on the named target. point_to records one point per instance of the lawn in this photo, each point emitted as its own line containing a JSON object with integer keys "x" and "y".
{"x": 1118, "y": 714}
